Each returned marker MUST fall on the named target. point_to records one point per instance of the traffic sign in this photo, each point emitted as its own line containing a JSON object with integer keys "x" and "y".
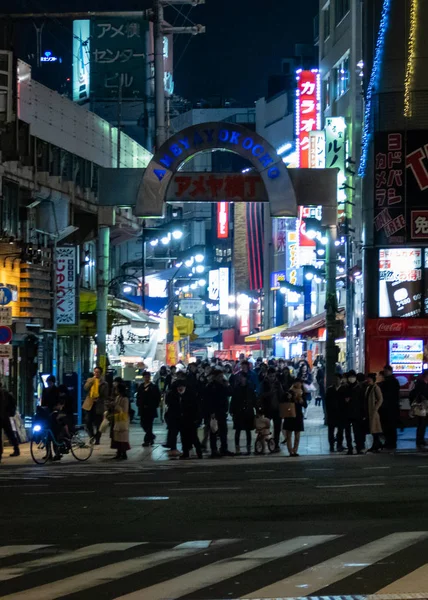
{"x": 5, "y": 296}
{"x": 5, "y": 315}
{"x": 5, "y": 334}
{"x": 6, "y": 351}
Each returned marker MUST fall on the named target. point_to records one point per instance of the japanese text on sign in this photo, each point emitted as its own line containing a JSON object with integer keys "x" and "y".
{"x": 66, "y": 285}
{"x": 118, "y": 56}
{"x": 209, "y": 187}
{"x": 335, "y": 140}
{"x": 307, "y": 112}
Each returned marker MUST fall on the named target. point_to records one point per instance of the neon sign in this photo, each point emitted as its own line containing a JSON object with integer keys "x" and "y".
{"x": 222, "y": 220}
{"x": 308, "y": 116}
{"x": 49, "y": 57}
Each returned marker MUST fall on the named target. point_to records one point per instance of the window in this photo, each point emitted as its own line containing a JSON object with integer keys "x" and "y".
{"x": 341, "y": 77}
{"x": 342, "y": 8}
{"x": 326, "y": 21}
{"x": 327, "y": 91}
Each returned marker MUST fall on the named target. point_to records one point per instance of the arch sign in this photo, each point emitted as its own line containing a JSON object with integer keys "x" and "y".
{"x": 161, "y": 170}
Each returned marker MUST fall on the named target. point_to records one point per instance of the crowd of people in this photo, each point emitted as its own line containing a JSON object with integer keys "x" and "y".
{"x": 262, "y": 396}
{"x": 265, "y": 398}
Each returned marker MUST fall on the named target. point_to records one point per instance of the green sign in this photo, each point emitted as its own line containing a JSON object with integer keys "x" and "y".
{"x": 118, "y": 58}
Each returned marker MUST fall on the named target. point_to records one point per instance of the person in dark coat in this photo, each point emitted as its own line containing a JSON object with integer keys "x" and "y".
{"x": 305, "y": 376}
{"x": 420, "y": 394}
{"x": 242, "y": 409}
{"x": 216, "y": 404}
{"x": 271, "y": 395}
{"x": 334, "y": 413}
{"x": 148, "y": 400}
{"x": 7, "y": 410}
{"x": 354, "y": 396}
{"x": 189, "y": 417}
{"x": 50, "y": 394}
{"x": 390, "y": 410}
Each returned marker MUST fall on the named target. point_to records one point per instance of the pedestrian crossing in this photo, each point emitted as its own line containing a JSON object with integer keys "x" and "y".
{"x": 324, "y": 565}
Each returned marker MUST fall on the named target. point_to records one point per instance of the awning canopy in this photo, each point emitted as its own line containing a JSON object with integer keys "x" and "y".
{"x": 138, "y": 319}
{"x": 308, "y": 326}
{"x": 265, "y": 335}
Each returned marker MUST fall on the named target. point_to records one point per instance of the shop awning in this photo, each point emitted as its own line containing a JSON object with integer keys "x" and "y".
{"x": 265, "y": 335}
{"x": 138, "y": 319}
{"x": 309, "y": 326}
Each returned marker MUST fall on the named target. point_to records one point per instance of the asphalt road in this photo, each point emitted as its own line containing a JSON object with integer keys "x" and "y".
{"x": 207, "y": 530}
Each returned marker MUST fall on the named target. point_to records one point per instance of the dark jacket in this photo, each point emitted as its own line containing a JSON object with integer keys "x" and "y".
{"x": 242, "y": 407}
{"x": 183, "y": 410}
{"x": 50, "y": 397}
{"x": 148, "y": 399}
{"x": 390, "y": 409}
{"x": 355, "y": 394}
{"x": 216, "y": 399}
{"x": 334, "y": 405}
{"x": 7, "y": 405}
{"x": 285, "y": 380}
{"x": 272, "y": 394}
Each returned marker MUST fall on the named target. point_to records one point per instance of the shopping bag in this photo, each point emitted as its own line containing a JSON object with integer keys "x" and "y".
{"x": 214, "y": 425}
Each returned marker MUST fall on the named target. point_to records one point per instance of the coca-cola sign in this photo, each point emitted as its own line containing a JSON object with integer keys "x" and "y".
{"x": 390, "y": 327}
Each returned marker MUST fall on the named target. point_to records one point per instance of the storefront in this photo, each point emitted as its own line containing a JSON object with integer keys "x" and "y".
{"x": 402, "y": 343}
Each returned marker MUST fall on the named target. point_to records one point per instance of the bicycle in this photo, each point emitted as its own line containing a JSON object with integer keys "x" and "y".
{"x": 80, "y": 444}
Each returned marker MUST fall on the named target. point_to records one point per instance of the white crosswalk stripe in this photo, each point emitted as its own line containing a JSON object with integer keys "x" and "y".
{"x": 66, "y": 557}
{"x": 338, "y": 568}
{"x": 222, "y": 561}
{"x": 206, "y": 576}
{"x": 103, "y": 575}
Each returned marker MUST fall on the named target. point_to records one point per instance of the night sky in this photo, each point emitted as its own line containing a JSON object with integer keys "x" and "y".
{"x": 243, "y": 45}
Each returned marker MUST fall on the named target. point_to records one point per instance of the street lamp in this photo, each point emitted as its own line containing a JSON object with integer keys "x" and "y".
{"x": 177, "y": 234}
{"x": 199, "y": 258}
{"x": 199, "y": 268}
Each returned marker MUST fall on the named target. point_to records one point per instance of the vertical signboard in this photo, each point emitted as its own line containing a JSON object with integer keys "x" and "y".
{"x": 118, "y": 57}
{"x": 81, "y": 60}
{"x": 317, "y": 150}
{"x": 213, "y": 285}
{"x": 307, "y": 111}
{"x": 335, "y": 149}
{"x": 223, "y": 276}
{"x": 222, "y": 220}
{"x": 66, "y": 285}
{"x": 292, "y": 260}
{"x": 389, "y": 191}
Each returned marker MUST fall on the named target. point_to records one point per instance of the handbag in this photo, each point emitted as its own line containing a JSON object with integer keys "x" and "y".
{"x": 105, "y": 424}
{"x": 121, "y": 421}
{"x": 287, "y": 410}
{"x": 418, "y": 409}
{"x": 214, "y": 425}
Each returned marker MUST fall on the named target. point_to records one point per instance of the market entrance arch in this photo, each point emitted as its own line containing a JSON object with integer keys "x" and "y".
{"x": 186, "y": 144}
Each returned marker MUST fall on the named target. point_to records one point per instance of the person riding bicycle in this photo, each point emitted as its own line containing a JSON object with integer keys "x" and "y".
{"x": 59, "y": 426}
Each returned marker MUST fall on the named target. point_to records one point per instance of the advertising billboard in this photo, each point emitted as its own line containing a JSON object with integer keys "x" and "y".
{"x": 406, "y": 356}
{"x": 223, "y": 276}
{"x": 400, "y": 282}
{"x": 119, "y": 57}
{"x": 81, "y": 60}
{"x": 307, "y": 112}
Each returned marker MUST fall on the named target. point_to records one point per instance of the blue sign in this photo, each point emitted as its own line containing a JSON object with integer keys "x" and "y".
{"x": 5, "y": 296}
{"x": 5, "y": 334}
{"x": 49, "y": 57}
{"x": 229, "y": 138}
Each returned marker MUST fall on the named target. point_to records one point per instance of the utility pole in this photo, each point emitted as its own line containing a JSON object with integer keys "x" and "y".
{"x": 119, "y": 121}
{"x": 331, "y": 304}
{"x": 161, "y": 29}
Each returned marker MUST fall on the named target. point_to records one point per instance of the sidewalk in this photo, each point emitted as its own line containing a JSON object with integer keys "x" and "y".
{"x": 313, "y": 442}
